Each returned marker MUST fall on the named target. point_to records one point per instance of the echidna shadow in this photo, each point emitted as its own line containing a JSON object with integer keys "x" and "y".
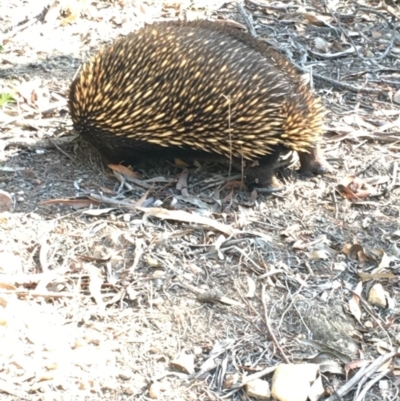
{"x": 197, "y": 90}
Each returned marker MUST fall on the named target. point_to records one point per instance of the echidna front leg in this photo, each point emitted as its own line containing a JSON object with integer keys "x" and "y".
{"x": 314, "y": 162}
{"x": 261, "y": 173}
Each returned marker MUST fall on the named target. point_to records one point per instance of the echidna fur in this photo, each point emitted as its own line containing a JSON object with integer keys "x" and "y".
{"x": 197, "y": 87}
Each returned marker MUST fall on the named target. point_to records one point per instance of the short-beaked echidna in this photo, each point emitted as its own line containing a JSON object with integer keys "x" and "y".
{"x": 197, "y": 88}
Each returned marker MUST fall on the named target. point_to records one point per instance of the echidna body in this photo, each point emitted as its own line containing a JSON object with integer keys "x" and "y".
{"x": 196, "y": 87}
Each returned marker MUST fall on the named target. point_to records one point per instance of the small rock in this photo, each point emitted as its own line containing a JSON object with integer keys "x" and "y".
{"x": 368, "y": 324}
{"x": 156, "y": 301}
{"x": 292, "y": 382}
{"x": 198, "y": 351}
{"x": 126, "y": 218}
{"x": 231, "y": 380}
{"x": 152, "y": 262}
{"x": 258, "y": 389}
{"x": 158, "y": 274}
{"x": 156, "y": 389}
{"x": 184, "y": 363}
{"x": 125, "y": 374}
{"x": 377, "y": 296}
{"x": 110, "y": 385}
{"x": 128, "y": 390}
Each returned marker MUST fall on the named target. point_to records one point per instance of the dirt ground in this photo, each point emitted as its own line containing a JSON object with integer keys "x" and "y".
{"x": 120, "y": 285}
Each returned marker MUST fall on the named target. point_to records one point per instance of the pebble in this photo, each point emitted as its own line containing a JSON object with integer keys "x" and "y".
{"x": 258, "y": 389}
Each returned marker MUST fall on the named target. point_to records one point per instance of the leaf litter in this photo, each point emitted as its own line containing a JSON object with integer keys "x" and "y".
{"x": 118, "y": 282}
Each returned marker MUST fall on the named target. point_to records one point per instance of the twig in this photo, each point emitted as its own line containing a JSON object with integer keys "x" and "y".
{"x": 30, "y": 143}
{"x": 280, "y": 6}
{"x": 22, "y": 25}
{"x": 394, "y": 176}
{"x": 254, "y": 376}
{"x": 208, "y": 296}
{"x": 331, "y": 56}
{"x": 363, "y": 393}
{"x": 247, "y": 20}
{"x": 104, "y": 199}
{"x": 59, "y": 149}
{"x": 269, "y": 329}
{"x": 35, "y": 294}
{"x": 342, "y": 85}
{"x": 365, "y": 370}
{"x": 269, "y": 190}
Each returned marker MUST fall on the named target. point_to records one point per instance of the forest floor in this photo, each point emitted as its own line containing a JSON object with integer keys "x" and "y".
{"x": 119, "y": 285}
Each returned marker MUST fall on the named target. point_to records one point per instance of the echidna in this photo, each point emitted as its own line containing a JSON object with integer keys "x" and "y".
{"x": 197, "y": 88}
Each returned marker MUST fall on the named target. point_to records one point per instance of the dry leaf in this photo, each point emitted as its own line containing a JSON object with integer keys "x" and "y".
{"x": 376, "y": 276}
{"x": 6, "y": 202}
{"x": 180, "y": 163}
{"x": 354, "y": 303}
{"x": 317, "y": 390}
{"x": 181, "y": 215}
{"x": 291, "y": 230}
{"x": 300, "y": 376}
{"x": 7, "y": 286}
{"x": 98, "y": 212}
{"x": 125, "y": 171}
{"x": 317, "y": 20}
{"x": 252, "y": 287}
{"x": 321, "y": 44}
{"x": 387, "y": 261}
{"x": 95, "y": 284}
{"x": 318, "y": 254}
{"x": 354, "y": 188}
{"x": 356, "y": 252}
{"x": 301, "y": 245}
{"x": 77, "y": 203}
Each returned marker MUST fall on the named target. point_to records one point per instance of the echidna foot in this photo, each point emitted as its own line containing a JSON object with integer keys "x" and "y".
{"x": 262, "y": 172}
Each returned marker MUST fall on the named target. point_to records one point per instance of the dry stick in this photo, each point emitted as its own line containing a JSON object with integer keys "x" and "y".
{"x": 254, "y": 376}
{"x": 371, "y": 383}
{"x": 28, "y": 143}
{"x": 394, "y": 178}
{"x": 341, "y": 85}
{"x": 104, "y": 199}
{"x": 59, "y": 149}
{"x": 269, "y": 329}
{"x": 206, "y": 294}
{"x": 247, "y": 20}
{"x": 293, "y": 297}
{"x": 365, "y": 370}
{"x": 34, "y": 294}
{"x": 369, "y": 310}
{"x": 367, "y": 375}
{"x": 11, "y": 33}
{"x": 279, "y": 7}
